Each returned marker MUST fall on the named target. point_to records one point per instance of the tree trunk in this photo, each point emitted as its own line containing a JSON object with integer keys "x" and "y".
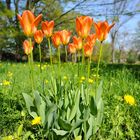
{"x": 113, "y": 49}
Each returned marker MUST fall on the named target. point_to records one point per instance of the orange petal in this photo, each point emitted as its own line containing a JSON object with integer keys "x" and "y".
{"x": 21, "y": 22}
{"x": 37, "y": 20}
{"x": 109, "y": 28}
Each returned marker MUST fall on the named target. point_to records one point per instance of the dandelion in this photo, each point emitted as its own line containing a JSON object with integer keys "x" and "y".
{"x": 129, "y": 99}
{"x": 6, "y": 83}
{"x": 36, "y": 120}
{"x": 90, "y": 81}
{"x": 83, "y": 78}
{"x": 65, "y": 77}
{"x": 46, "y": 81}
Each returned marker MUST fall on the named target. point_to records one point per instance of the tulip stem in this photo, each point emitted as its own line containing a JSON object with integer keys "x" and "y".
{"x": 59, "y": 59}
{"x": 50, "y": 51}
{"x": 66, "y": 53}
{"x": 40, "y": 57}
{"x": 31, "y": 65}
{"x": 99, "y": 59}
{"x": 89, "y": 62}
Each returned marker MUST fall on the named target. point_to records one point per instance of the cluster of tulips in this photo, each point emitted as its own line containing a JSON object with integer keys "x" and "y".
{"x": 85, "y": 40}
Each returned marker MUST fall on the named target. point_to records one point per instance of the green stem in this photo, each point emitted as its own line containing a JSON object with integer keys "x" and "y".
{"x": 59, "y": 60}
{"x": 40, "y": 57}
{"x": 97, "y": 72}
{"x": 89, "y": 61}
{"x": 66, "y": 53}
{"x": 78, "y": 62}
{"x": 31, "y": 65}
{"x": 50, "y": 51}
{"x": 85, "y": 130}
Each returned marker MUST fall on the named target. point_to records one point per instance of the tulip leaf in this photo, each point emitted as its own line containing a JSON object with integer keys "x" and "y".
{"x": 29, "y": 103}
{"x": 75, "y": 107}
{"x": 60, "y": 132}
{"x": 93, "y": 106}
{"x": 64, "y": 124}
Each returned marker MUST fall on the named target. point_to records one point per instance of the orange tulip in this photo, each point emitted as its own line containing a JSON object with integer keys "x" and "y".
{"x": 88, "y": 48}
{"x": 38, "y": 36}
{"x": 72, "y": 48}
{"x": 78, "y": 42}
{"x": 92, "y": 39}
{"x": 27, "y": 47}
{"x": 28, "y": 22}
{"x": 102, "y": 29}
{"x": 83, "y": 26}
{"x": 65, "y": 37}
{"x": 56, "y": 39}
{"x": 47, "y": 28}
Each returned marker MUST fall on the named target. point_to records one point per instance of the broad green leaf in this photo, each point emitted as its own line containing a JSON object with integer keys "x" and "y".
{"x": 60, "y": 132}
{"x": 75, "y": 107}
{"x": 42, "y": 111}
{"x": 37, "y": 100}
{"x": 93, "y": 106}
{"x": 64, "y": 124}
{"x": 99, "y": 92}
{"x": 29, "y": 103}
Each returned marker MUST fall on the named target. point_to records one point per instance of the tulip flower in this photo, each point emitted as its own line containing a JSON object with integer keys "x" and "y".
{"x": 72, "y": 48}
{"x": 83, "y": 26}
{"x": 27, "y": 47}
{"x": 56, "y": 39}
{"x": 47, "y": 28}
{"x": 88, "y": 48}
{"x": 102, "y": 30}
{"x": 28, "y": 22}
{"x": 65, "y": 37}
{"x": 92, "y": 39}
{"x": 78, "y": 42}
{"x": 38, "y": 36}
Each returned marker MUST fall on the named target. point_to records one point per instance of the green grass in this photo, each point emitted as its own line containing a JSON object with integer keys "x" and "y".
{"x": 120, "y": 121}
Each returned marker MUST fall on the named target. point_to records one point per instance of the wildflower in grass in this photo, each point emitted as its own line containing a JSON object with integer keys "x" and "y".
{"x": 27, "y": 47}
{"x": 28, "y": 22}
{"x": 6, "y": 83}
{"x": 56, "y": 39}
{"x": 47, "y": 28}
{"x": 129, "y": 99}
{"x": 77, "y": 41}
{"x": 38, "y": 36}
{"x": 36, "y": 120}
{"x": 90, "y": 81}
{"x": 78, "y": 138}
{"x": 102, "y": 29}
{"x": 65, "y": 77}
{"x": 83, "y": 26}
{"x": 83, "y": 78}
{"x": 65, "y": 36}
{"x": 46, "y": 81}
{"x": 9, "y": 74}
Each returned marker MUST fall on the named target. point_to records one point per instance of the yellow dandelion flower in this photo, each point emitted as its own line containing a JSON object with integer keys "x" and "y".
{"x": 36, "y": 120}
{"x": 129, "y": 99}
{"x": 90, "y": 81}
{"x": 46, "y": 81}
{"x": 65, "y": 77}
{"x": 78, "y": 138}
{"x": 83, "y": 78}
{"x": 6, "y": 83}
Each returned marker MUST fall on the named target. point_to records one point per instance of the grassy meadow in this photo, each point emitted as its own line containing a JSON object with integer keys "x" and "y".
{"x": 120, "y": 119}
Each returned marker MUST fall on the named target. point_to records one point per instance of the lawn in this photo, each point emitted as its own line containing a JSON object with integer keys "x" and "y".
{"x": 120, "y": 118}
